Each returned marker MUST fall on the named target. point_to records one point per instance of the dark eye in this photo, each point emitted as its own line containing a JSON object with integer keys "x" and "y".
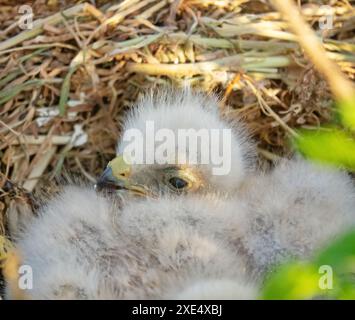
{"x": 178, "y": 183}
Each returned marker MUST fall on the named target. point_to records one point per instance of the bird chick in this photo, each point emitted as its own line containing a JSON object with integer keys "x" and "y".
{"x": 178, "y": 111}
{"x": 290, "y": 212}
{"x": 193, "y": 234}
{"x": 86, "y": 246}
{"x": 293, "y": 211}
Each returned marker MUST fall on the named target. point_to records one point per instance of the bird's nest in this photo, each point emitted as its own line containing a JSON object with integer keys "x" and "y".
{"x": 66, "y": 82}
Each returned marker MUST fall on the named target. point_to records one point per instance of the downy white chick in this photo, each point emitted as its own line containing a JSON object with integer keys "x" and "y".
{"x": 293, "y": 211}
{"x": 179, "y": 110}
{"x": 196, "y": 235}
{"x": 84, "y": 245}
{"x": 288, "y": 212}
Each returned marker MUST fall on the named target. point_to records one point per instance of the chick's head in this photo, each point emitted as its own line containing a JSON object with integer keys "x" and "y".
{"x": 177, "y": 142}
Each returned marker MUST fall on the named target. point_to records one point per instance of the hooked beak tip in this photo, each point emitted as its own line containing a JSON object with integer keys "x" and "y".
{"x": 108, "y": 181}
{"x": 116, "y": 177}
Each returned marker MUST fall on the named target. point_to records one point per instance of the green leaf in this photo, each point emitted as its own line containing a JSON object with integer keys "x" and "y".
{"x": 340, "y": 255}
{"x": 293, "y": 281}
{"x": 347, "y": 113}
{"x": 330, "y": 147}
{"x": 304, "y": 280}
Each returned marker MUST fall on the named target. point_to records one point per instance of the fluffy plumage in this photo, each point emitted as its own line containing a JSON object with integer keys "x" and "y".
{"x": 294, "y": 210}
{"x": 182, "y": 109}
{"x": 214, "y": 241}
{"x": 83, "y": 246}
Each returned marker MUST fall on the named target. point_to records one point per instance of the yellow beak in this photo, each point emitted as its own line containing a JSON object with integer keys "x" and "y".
{"x": 117, "y": 177}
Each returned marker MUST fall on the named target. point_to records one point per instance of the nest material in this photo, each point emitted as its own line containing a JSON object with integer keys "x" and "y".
{"x": 66, "y": 83}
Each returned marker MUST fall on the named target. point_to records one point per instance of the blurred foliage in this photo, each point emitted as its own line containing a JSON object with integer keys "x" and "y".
{"x": 335, "y": 146}
{"x": 331, "y": 273}
{"x": 330, "y": 147}
{"x": 347, "y": 113}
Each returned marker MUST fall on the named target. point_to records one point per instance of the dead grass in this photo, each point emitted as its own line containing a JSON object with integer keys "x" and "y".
{"x": 66, "y": 84}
